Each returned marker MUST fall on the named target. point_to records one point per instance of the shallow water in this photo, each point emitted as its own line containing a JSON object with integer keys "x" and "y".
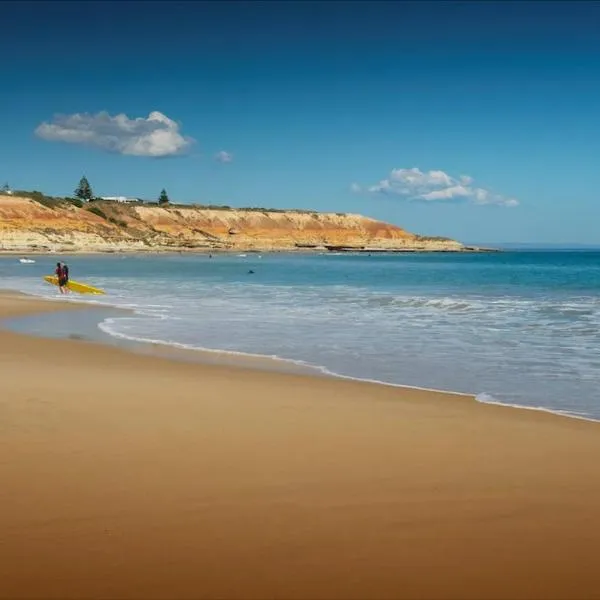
{"x": 517, "y": 327}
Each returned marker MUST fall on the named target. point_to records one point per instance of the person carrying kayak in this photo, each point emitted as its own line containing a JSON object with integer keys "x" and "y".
{"x": 62, "y": 275}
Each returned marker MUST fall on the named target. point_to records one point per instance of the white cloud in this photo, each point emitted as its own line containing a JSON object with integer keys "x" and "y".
{"x": 354, "y": 187}
{"x": 431, "y": 186}
{"x": 224, "y": 157}
{"x": 154, "y": 136}
{"x": 448, "y": 193}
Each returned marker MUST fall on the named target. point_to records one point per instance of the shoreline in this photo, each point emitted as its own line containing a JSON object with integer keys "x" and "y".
{"x": 262, "y": 362}
{"x": 132, "y": 476}
{"x": 252, "y": 250}
{"x": 268, "y": 363}
{"x": 26, "y": 305}
{"x": 177, "y": 351}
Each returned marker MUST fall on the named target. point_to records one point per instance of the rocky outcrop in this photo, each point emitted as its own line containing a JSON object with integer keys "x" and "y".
{"x": 27, "y": 225}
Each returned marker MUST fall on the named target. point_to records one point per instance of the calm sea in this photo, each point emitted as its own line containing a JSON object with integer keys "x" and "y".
{"x": 516, "y": 327}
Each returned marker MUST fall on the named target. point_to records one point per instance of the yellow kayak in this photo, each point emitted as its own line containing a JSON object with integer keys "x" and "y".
{"x": 75, "y": 286}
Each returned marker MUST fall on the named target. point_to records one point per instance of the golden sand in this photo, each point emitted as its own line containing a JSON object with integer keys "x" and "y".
{"x": 132, "y": 476}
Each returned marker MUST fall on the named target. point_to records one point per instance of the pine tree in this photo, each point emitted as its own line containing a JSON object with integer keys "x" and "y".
{"x": 84, "y": 190}
{"x": 163, "y": 198}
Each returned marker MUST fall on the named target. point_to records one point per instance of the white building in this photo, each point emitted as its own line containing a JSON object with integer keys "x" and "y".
{"x": 120, "y": 199}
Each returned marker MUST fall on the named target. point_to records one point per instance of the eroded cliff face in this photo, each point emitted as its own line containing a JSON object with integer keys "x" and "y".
{"x": 26, "y": 225}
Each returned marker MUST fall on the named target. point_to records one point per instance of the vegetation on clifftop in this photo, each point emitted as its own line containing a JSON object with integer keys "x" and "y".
{"x": 48, "y": 201}
{"x": 56, "y": 201}
{"x": 84, "y": 190}
{"x": 432, "y": 238}
{"x": 163, "y": 199}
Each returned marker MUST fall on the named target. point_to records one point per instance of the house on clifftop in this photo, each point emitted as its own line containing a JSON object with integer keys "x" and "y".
{"x": 123, "y": 199}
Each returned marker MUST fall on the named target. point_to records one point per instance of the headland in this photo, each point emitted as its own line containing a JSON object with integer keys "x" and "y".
{"x": 38, "y": 224}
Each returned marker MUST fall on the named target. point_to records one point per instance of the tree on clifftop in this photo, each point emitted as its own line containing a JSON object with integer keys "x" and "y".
{"x": 163, "y": 198}
{"x": 84, "y": 190}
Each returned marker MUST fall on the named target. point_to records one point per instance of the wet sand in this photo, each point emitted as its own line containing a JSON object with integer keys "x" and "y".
{"x": 134, "y": 476}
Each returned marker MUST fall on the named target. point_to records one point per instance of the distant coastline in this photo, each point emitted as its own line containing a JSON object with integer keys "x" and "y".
{"x": 204, "y": 251}
{"x": 540, "y": 247}
{"x": 32, "y": 223}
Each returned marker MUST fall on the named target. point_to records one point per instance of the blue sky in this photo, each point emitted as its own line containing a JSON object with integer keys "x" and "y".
{"x": 475, "y": 120}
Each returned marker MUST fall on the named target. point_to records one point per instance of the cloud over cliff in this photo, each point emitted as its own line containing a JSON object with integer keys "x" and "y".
{"x": 155, "y": 136}
{"x": 434, "y": 186}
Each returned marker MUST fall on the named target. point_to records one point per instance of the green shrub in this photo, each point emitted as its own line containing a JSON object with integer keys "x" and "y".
{"x": 47, "y": 201}
{"x": 97, "y": 211}
{"x": 117, "y": 222}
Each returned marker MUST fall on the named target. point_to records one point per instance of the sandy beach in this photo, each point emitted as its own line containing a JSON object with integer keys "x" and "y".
{"x": 133, "y": 476}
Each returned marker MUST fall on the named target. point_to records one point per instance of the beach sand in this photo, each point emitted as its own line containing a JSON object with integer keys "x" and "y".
{"x": 133, "y": 476}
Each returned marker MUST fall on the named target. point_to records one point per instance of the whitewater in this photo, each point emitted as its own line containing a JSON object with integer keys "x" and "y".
{"x": 517, "y": 328}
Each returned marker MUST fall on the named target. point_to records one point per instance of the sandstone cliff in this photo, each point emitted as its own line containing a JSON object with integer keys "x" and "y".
{"x": 27, "y": 225}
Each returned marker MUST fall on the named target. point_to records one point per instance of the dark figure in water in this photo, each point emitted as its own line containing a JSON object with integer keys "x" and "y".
{"x": 250, "y": 272}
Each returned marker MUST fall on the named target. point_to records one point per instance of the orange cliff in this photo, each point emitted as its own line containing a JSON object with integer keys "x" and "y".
{"x": 28, "y": 225}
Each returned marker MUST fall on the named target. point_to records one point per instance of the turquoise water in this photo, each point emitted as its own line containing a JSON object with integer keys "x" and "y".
{"x": 516, "y": 327}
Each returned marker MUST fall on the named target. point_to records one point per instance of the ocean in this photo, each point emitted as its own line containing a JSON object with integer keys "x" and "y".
{"x": 518, "y": 327}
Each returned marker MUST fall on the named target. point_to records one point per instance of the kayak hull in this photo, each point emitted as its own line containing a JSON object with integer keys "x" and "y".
{"x": 75, "y": 286}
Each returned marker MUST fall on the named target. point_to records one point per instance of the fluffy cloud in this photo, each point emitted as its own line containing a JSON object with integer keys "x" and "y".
{"x": 155, "y": 136}
{"x": 224, "y": 157}
{"x": 435, "y": 186}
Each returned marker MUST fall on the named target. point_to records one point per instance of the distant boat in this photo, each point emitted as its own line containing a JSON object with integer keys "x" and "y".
{"x": 26, "y": 261}
{"x": 242, "y": 255}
